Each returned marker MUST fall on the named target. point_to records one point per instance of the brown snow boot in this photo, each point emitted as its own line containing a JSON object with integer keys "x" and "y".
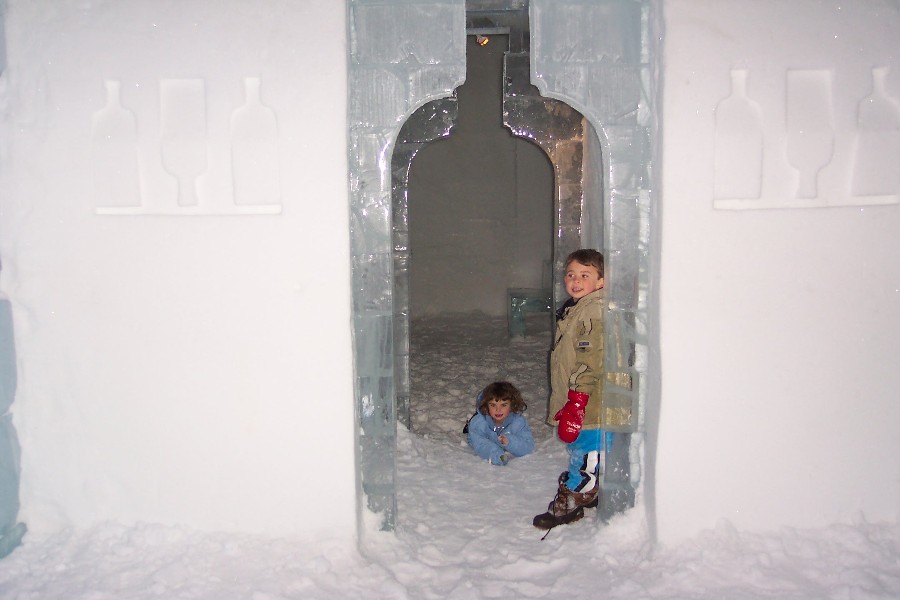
{"x": 589, "y": 499}
{"x": 567, "y": 506}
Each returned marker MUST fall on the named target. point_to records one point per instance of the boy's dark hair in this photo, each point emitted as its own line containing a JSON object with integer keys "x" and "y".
{"x": 502, "y": 390}
{"x": 587, "y": 257}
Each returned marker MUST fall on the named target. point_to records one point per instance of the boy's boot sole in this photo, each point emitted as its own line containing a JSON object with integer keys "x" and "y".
{"x": 548, "y": 520}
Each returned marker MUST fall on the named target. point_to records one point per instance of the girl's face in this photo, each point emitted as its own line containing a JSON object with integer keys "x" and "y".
{"x": 581, "y": 280}
{"x": 498, "y": 409}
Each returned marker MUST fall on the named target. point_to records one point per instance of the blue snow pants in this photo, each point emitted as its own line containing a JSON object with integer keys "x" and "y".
{"x": 585, "y": 455}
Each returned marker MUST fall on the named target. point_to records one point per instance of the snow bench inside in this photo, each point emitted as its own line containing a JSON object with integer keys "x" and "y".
{"x": 521, "y": 301}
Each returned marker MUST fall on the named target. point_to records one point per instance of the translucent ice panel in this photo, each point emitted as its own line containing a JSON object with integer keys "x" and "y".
{"x": 402, "y": 56}
{"x": 10, "y": 532}
{"x": 7, "y": 358}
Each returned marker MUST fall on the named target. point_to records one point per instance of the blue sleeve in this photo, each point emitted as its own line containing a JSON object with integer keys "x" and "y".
{"x": 521, "y": 440}
{"x": 484, "y": 441}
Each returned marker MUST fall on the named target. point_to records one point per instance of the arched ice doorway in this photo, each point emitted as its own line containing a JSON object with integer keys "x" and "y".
{"x": 406, "y": 58}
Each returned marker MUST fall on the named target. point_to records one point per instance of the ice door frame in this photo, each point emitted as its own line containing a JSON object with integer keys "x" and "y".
{"x": 594, "y": 56}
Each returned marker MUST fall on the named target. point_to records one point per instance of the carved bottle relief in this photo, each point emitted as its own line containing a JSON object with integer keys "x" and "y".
{"x": 876, "y": 170}
{"x": 184, "y": 143}
{"x": 114, "y": 161}
{"x": 738, "y": 143}
{"x": 254, "y": 150}
{"x": 810, "y": 126}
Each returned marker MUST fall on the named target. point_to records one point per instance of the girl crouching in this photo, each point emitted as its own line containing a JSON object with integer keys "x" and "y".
{"x": 498, "y": 431}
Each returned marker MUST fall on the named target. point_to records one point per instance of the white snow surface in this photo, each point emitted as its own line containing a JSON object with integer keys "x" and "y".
{"x": 464, "y": 527}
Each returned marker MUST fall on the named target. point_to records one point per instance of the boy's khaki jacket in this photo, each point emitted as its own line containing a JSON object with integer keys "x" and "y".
{"x": 576, "y": 361}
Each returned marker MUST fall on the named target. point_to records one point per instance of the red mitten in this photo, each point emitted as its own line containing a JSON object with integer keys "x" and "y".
{"x": 571, "y": 416}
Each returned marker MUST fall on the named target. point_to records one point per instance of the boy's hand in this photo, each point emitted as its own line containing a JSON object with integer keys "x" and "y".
{"x": 504, "y": 441}
{"x": 571, "y": 416}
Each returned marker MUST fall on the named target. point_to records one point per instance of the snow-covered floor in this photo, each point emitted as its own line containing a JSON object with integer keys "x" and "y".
{"x": 464, "y": 526}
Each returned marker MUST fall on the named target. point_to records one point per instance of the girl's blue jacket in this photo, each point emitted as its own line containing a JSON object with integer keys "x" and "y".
{"x": 484, "y": 437}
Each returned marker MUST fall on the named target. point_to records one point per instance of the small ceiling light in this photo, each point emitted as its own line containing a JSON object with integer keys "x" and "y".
{"x": 482, "y": 40}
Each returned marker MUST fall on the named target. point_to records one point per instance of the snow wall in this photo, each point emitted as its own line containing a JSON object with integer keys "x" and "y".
{"x": 779, "y": 294}
{"x": 184, "y": 352}
{"x": 174, "y": 237}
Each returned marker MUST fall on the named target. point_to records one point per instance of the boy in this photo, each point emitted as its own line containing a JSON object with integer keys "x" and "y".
{"x": 576, "y": 373}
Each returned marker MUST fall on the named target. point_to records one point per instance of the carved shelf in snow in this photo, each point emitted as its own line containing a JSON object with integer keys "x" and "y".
{"x": 134, "y": 175}
{"x": 738, "y": 143}
{"x": 114, "y": 158}
{"x": 809, "y": 127}
{"x": 798, "y": 151}
{"x": 183, "y": 125}
{"x": 876, "y": 156}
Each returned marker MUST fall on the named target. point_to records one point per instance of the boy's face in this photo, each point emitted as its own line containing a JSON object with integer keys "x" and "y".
{"x": 498, "y": 409}
{"x": 581, "y": 280}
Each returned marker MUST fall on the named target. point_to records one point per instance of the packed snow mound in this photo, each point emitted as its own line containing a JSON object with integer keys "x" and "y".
{"x": 464, "y": 526}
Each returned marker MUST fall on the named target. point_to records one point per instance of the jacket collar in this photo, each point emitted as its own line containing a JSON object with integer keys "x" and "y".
{"x": 568, "y": 304}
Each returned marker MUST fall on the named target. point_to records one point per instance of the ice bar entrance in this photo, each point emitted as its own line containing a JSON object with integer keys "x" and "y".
{"x": 586, "y": 58}
{"x": 476, "y": 206}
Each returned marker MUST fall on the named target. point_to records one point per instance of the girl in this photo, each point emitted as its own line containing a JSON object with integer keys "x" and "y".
{"x": 498, "y": 431}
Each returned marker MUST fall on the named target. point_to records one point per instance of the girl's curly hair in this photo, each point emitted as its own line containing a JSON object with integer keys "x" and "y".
{"x": 502, "y": 390}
